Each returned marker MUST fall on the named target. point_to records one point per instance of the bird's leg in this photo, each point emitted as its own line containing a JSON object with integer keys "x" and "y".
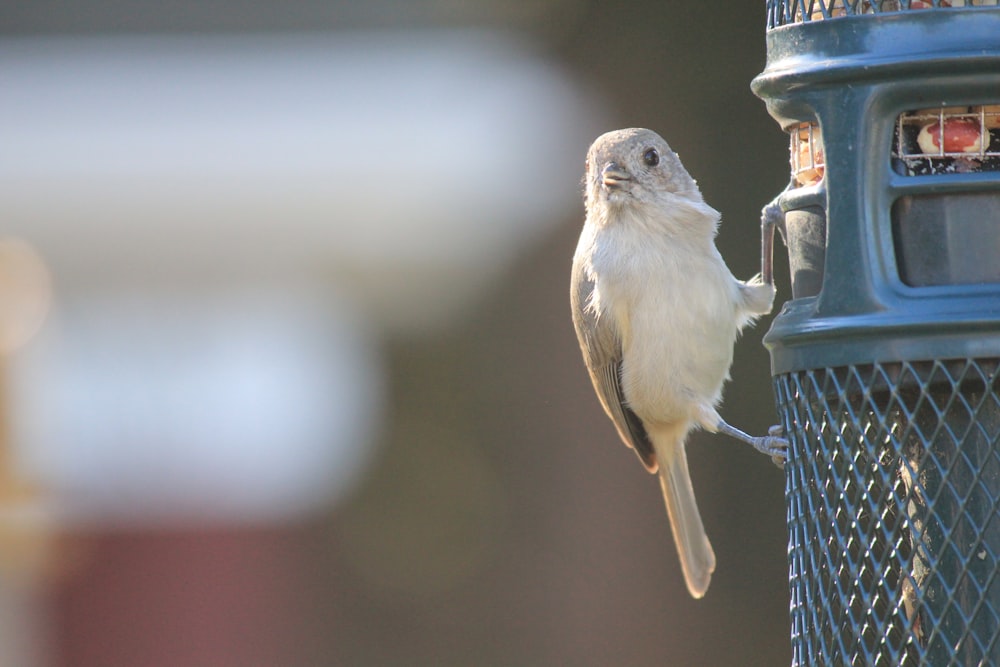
{"x": 771, "y": 218}
{"x": 773, "y": 444}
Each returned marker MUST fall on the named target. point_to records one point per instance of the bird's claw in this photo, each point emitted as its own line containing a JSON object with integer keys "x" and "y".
{"x": 771, "y": 214}
{"x": 775, "y": 445}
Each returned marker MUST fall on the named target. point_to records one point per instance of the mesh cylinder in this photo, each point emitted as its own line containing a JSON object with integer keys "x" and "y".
{"x": 893, "y": 497}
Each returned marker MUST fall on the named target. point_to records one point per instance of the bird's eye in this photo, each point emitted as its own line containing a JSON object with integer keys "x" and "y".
{"x": 651, "y": 157}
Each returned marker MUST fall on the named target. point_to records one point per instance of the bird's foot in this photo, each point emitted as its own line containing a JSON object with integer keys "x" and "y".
{"x": 774, "y": 444}
{"x": 779, "y": 445}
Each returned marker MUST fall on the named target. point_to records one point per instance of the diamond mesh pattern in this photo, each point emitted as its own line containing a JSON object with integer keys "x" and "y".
{"x": 784, "y": 12}
{"x": 893, "y": 491}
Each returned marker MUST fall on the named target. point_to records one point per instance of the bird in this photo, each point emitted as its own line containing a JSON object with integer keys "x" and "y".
{"x": 657, "y": 313}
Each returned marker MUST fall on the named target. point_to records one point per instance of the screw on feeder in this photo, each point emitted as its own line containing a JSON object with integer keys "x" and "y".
{"x": 886, "y": 361}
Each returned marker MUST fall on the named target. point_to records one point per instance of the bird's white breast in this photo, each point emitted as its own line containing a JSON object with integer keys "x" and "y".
{"x": 673, "y": 303}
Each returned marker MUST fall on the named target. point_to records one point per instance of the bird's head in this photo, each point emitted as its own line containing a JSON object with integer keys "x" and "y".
{"x": 635, "y": 166}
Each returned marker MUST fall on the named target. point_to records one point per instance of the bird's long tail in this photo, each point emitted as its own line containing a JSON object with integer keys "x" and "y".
{"x": 693, "y": 547}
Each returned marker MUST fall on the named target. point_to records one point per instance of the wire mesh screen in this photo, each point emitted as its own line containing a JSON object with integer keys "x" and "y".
{"x": 893, "y": 496}
{"x": 807, "y": 154}
{"x": 945, "y": 140}
{"x": 784, "y": 12}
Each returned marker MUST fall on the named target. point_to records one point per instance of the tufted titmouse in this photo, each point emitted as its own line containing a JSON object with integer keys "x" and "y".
{"x": 657, "y": 312}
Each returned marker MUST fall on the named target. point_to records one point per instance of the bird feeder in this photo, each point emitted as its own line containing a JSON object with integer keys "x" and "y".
{"x": 886, "y": 360}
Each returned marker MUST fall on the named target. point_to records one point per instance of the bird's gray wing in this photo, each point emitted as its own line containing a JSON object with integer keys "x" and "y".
{"x": 602, "y": 354}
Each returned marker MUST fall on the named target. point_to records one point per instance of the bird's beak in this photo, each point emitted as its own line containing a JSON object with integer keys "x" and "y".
{"x": 613, "y": 174}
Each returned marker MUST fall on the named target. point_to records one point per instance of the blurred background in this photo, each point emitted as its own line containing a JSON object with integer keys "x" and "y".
{"x": 288, "y": 372}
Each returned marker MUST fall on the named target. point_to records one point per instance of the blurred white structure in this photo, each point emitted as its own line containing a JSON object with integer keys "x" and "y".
{"x": 233, "y": 221}
{"x": 147, "y": 406}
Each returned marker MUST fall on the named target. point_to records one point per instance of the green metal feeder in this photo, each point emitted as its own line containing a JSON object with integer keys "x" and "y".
{"x": 886, "y": 360}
